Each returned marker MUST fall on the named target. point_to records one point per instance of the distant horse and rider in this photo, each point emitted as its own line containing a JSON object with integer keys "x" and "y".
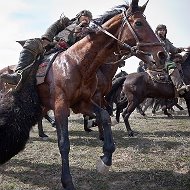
{"x": 71, "y": 84}
{"x": 138, "y": 86}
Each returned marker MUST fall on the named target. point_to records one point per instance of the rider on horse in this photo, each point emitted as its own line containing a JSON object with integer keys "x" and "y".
{"x": 161, "y": 31}
{"x": 141, "y": 67}
{"x": 66, "y": 29}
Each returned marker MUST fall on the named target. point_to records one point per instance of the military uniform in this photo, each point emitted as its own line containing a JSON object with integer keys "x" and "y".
{"x": 34, "y": 47}
{"x": 170, "y": 65}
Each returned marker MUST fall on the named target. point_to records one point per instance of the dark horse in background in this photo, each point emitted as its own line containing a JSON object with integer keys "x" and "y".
{"x": 165, "y": 105}
{"x": 104, "y": 74}
{"x": 71, "y": 83}
{"x": 139, "y": 86}
{"x": 113, "y": 96}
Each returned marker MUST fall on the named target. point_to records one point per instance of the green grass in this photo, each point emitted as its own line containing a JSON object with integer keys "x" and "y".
{"x": 157, "y": 158}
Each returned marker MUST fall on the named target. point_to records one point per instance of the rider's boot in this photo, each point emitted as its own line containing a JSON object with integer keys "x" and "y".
{"x": 26, "y": 58}
{"x": 28, "y": 55}
{"x": 177, "y": 81}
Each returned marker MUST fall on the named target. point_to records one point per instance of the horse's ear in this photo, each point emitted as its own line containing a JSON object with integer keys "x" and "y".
{"x": 144, "y": 6}
{"x": 134, "y": 5}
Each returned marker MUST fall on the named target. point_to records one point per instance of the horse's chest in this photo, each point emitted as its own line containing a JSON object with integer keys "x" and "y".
{"x": 85, "y": 91}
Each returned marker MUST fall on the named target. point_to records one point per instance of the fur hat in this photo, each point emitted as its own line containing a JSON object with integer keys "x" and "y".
{"x": 84, "y": 13}
{"x": 161, "y": 26}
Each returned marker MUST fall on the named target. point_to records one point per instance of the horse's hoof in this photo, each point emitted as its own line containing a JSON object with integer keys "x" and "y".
{"x": 53, "y": 125}
{"x": 145, "y": 117}
{"x": 101, "y": 167}
{"x": 69, "y": 187}
{"x": 101, "y": 138}
{"x": 131, "y": 134}
{"x": 88, "y": 130}
{"x": 44, "y": 137}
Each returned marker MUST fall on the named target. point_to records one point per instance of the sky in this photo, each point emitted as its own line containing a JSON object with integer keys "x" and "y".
{"x": 24, "y": 19}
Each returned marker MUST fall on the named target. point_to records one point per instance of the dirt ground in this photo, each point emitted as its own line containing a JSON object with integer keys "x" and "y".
{"x": 156, "y": 158}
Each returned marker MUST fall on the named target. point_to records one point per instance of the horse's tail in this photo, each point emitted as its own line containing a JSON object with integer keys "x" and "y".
{"x": 19, "y": 111}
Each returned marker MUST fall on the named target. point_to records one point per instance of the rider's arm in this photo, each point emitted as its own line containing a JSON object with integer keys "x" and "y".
{"x": 55, "y": 28}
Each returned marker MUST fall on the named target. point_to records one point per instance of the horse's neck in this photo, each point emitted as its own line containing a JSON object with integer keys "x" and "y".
{"x": 96, "y": 49}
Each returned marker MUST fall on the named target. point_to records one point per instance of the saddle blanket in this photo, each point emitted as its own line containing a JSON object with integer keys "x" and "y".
{"x": 44, "y": 67}
{"x": 159, "y": 76}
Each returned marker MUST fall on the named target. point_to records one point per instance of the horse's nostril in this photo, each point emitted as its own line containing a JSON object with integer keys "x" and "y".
{"x": 162, "y": 56}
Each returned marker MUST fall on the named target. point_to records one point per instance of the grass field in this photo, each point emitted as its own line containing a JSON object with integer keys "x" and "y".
{"x": 157, "y": 158}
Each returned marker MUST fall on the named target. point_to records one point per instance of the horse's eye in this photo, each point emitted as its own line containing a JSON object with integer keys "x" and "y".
{"x": 138, "y": 23}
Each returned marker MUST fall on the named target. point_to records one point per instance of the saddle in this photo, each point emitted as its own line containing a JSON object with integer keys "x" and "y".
{"x": 159, "y": 76}
{"x": 45, "y": 65}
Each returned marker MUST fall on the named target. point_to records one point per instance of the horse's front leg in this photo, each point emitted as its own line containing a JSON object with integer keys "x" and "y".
{"x": 103, "y": 118}
{"x": 132, "y": 104}
{"x": 61, "y": 118}
{"x": 86, "y": 119}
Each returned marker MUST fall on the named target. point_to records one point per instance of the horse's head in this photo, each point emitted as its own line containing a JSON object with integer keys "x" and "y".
{"x": 137, "y": 35}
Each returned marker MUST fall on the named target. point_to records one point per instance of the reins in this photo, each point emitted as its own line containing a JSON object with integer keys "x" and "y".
{"x": 112, "y": 36}
{"x": 138, "y": 43}
{"x": 133, "y": 50}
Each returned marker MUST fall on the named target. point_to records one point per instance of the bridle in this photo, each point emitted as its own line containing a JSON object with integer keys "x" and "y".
{"x": 138, "y": 43}
{"x": 132, "y": 50}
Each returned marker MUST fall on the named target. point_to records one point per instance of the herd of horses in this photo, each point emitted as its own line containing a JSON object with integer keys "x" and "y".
{"x": 79, "y": 79}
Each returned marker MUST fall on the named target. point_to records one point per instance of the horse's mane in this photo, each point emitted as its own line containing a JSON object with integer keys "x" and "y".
{"x": 111, "y": 13}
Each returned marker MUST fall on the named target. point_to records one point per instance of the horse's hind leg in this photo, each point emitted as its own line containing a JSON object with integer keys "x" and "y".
{"x": 52, "y": 121}
{"x": 187, "y": 100}
{"x": 40, "y": 130}
{"x": 139, "y": 108}
{"x": 165, "y": 107}
{"x": 86, "y": 120}
{"x": 178, "y": 106}
{"x": 165, "y": 110}
{"x": 155, "y": 106}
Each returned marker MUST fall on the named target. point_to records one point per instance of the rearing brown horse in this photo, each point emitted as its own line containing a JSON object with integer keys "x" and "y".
{"x": 71, "y": 82}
